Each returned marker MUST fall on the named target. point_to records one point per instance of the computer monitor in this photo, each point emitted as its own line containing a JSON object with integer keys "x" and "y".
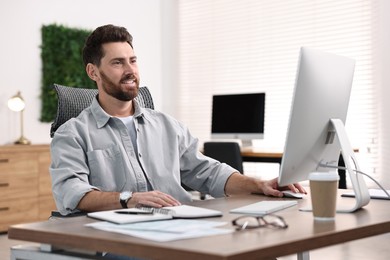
{"x": 238, "y": 116}
{"x": 316, "y": 133}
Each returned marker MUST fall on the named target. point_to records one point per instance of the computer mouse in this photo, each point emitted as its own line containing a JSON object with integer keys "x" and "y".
{"x": 290, "y": 194}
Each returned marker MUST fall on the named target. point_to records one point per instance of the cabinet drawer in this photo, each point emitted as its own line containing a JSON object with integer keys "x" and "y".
{"x": 17, "y": 185}
{"x": 18, "y": 163}
{"x": 18, "y": 176}
{"x": 18, "y": 211}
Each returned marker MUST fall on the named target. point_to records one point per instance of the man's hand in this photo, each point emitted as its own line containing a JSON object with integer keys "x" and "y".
{"x": 98, "y": 200}
{"x": 156, "y": 199}
{"x": 241, "y": 184}
{"x": 272, "y": 188}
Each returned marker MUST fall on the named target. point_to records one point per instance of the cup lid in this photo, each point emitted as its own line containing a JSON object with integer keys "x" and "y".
{"x": 324, "y": 176}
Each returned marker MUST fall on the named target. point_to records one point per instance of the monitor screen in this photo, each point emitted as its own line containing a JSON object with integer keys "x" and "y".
{"x": 322, "y": 92}
{"x": 238, "y": 116}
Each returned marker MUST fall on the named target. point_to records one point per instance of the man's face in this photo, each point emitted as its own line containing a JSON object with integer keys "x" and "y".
{"x": 119, "y": 71}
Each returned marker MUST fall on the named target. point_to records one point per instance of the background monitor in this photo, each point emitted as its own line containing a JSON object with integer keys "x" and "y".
{"x": 322, "y": 92}
{"x": 238, "y": 116}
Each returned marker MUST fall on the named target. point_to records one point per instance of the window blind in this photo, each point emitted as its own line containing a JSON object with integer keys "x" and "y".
{"x": 228, "y": 46}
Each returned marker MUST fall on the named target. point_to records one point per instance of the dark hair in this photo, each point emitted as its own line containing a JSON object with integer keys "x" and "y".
{"x": 93, "y": 51}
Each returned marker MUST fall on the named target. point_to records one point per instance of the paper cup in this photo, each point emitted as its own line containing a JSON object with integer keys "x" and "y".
{"x": 323, "y": 186}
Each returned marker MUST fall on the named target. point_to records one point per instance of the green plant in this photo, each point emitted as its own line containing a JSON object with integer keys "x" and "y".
{"x": 62, "y": 64}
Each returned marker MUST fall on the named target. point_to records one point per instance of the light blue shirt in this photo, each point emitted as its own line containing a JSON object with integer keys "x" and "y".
{"x": 95, "y": 151}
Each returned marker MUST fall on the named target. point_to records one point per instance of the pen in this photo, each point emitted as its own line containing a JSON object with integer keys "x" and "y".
{"x": 135, "y": 212}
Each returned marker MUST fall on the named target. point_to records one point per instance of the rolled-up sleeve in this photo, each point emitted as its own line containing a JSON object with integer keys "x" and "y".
{"x": 200, "y": 172}
{"x": 69, "y": 172}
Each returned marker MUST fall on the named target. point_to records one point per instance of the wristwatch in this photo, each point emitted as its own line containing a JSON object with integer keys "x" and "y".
{"x": 124, "y": 197}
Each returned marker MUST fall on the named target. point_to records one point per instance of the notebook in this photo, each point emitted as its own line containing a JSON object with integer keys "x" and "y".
{"x": 264, "y": 207}
{"x": 134, "y": 215}
{"x": 374, "y": 194}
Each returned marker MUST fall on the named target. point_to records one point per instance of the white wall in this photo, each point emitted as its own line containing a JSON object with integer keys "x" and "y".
{"x": 20, "y": 66}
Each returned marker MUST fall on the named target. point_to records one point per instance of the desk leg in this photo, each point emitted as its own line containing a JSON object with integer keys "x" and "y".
{"x": 304, "y": 255}
{"x": 34, "y": 252}
{"x": 47, "y": 248}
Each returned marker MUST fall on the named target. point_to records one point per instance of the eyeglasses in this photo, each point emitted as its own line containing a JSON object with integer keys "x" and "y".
{"x": 251, "y": 222}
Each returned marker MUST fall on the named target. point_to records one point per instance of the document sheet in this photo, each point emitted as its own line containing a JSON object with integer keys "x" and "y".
{"x": 166, "y": 230}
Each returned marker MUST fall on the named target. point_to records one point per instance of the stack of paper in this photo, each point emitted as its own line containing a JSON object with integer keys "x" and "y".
{"x": 170, "y": 223}
{"x": 166, "y": 230}
{"x": 374, "y": 194}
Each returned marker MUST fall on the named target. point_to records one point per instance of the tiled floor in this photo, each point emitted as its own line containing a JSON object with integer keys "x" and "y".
{"x": 5, "y": 245}
{"x": 375, "y": 248}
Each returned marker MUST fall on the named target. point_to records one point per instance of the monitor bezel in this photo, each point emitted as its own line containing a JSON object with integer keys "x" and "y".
{"x": 245, "y": 137}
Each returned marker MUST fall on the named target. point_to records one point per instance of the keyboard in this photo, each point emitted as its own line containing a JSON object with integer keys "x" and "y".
{"x": 264, "y": 207}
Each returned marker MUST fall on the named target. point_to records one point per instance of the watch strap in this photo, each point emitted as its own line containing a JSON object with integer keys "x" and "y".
{"x": 124, "y": 200}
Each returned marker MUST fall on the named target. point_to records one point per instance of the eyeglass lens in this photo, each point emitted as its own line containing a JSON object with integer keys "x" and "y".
{"x": 255, "y": 222}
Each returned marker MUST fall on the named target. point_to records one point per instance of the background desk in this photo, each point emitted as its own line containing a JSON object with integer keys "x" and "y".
{"x": 303, "y": 234}
{"x": 250, "y": 154}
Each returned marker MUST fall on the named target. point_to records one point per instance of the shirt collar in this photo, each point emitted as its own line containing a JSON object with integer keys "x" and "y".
{"x": 102, "y": 117}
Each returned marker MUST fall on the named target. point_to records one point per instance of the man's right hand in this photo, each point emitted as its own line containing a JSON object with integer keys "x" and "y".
{"x": 156, "y": 199}
{"x": 99, "y": 200}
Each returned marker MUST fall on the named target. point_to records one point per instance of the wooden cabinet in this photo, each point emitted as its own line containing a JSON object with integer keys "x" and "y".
{"x": 25, "y": 184}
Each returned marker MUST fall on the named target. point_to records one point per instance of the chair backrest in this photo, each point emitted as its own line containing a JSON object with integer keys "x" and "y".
{"x": 71, "y": 101}
{"x": 227, "y": 152}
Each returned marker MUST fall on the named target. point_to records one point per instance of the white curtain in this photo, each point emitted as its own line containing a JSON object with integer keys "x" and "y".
{"x": 230, "y": 46}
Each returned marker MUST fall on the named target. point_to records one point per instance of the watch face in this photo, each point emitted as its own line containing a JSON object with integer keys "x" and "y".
{"x": 125, "y": 195}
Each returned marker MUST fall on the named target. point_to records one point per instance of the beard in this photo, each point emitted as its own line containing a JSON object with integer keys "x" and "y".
{"x": 115, "y": 90}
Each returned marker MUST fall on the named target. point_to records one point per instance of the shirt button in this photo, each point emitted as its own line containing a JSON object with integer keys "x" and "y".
{"x": 139, "y": 155}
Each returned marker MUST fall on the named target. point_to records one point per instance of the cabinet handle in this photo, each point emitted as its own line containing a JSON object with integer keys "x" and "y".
{"x": 4, "y": 209}
{"x": 4, "y": 185}
{"x": 4, "y": 160}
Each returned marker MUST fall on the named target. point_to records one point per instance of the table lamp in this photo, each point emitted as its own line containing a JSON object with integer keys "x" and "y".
{"x": 16, "y": 103}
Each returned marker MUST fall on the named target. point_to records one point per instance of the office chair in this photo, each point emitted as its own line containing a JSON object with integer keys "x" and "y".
{"x": 71, "y": 101}
{"x": 226, "y": 152}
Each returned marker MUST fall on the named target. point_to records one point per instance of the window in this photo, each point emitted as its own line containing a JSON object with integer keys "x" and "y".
{"x": 229, "y": 47}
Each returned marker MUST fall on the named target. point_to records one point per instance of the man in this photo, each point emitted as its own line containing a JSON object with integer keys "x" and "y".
{"x": 116, "y": 154}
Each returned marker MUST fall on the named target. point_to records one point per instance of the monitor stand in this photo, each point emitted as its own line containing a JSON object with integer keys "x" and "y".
{"x": 359, "y": 186}
{"x": 246, "y": 143}
{"x": 362, "y": 196}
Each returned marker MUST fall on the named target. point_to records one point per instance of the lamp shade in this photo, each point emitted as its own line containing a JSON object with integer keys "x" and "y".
{"x": 16, "y": 103}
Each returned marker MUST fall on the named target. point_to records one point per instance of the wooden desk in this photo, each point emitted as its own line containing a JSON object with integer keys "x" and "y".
{"x": 250, "y": 154}
{"x": 302, "y": 235}
{"x": 253, "y": 154}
